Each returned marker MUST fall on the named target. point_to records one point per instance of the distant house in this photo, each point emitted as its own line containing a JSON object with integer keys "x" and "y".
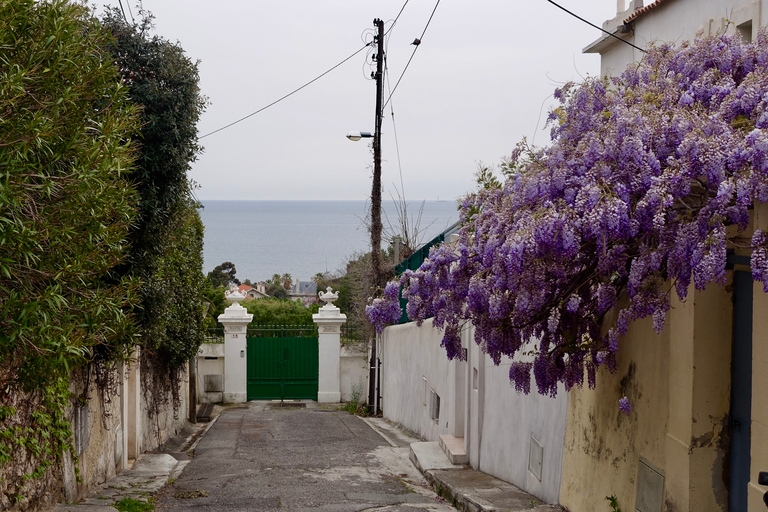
{"x": 305, "y": 291}
{"x": 258, "y": 292}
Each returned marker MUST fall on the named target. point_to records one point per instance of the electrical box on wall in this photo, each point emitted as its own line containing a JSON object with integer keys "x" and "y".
{"x": 650, "y": 487}
{"x": 535, "y": 458}
{"x": 434, "y": 409}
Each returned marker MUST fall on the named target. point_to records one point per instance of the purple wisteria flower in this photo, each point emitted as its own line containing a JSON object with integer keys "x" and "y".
{"x": 624, "y": 405}
{"x": 385, "y": 310}
{"x": 649, "y": 180}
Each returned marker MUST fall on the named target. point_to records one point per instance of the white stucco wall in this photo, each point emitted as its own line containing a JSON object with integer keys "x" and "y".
{"x": 354, "y": 371}
{"x": 495, "y": 421}
{"x": 409, "y": 355}
{"x": 210, "y": 361}
{"x": 509, "y": 419}
{"x": 677, "y": 21}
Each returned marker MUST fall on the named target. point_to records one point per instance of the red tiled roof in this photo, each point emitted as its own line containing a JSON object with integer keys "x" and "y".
{"x": 643, "y": 10}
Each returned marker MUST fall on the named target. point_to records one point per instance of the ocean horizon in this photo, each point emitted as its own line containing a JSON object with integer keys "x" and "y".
{"x": 301, "y": 238}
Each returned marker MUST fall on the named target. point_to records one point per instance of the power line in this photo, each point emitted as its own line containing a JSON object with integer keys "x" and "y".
{"x": 121, "y": 8}
{"x": 394, "y": 131}
{"x": 129, "y": 10}
{"x": 396, "y": 18}
{"x": 595, "y": 26}
{"x": 412, "y": 54}
{"x": 284, "y": 97}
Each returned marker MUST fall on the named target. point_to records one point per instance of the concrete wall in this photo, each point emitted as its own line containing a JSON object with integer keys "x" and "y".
{"x": 477, "y": 403}
{"x": 118, "y": 427}
{"x": 678, "y": 383}
{"x": 210, "y": 363}
{"x": 507, "y": 421}
{"x": 413, "y": 364}
{"x": 165, "y": 423}
{"x": 678, "y": 21}
{"x": 354, "y": 372}
{"x": 759, "y": 426}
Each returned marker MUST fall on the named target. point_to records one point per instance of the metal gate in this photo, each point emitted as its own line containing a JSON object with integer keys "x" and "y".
{"x": 282, "y": 362}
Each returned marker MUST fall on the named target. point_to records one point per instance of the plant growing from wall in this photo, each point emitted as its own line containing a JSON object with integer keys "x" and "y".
{"x": 66, "y": 207}
{"x": 649, "y": 180}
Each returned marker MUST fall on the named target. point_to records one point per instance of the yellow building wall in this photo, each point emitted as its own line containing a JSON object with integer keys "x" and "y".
{"x": 759, "y": 427}
{"x": 678, "y": 383}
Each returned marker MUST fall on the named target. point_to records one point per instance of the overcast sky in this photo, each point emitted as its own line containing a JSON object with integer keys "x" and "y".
{"x": 480, "y": 81}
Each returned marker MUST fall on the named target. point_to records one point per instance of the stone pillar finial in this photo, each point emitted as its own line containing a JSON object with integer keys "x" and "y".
{"x": 329, "y": 320}
{"x": 235, "y": 320}
{"x": 234, "y": 294}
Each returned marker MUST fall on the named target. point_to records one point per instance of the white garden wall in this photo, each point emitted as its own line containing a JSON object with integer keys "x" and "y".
{"x": 477, "y": 403}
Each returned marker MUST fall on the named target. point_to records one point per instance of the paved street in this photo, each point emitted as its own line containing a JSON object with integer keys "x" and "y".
{"x": 258, "y": 458}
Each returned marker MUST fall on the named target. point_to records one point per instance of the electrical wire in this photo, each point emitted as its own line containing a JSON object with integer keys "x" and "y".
{"x": 412, "y": 54}
{"x": 122, "y": 9}
{"x": 394, "y": 132}
{"x": 595, "y": 26}
{"x": 130, "y": 11}
{"x": 283, "y": 97}
{"x": 396, "y": 18}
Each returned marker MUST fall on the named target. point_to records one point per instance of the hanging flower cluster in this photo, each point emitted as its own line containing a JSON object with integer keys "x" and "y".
{"x": 385, "y": 310}
{"x": 648, "y": 181}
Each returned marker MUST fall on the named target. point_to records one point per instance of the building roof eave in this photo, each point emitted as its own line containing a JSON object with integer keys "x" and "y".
{"x": 623, "y": 32}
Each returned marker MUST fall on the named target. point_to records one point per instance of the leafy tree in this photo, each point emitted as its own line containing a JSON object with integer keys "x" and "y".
{"x": 279, "y": 312}
{"x": 278, "y": 286}
{"x": 648, "y": 181}
{"x": 166, "y": 242}
{"x": 223, "y": 275}
{"x": 216, "y": 303}
{"x": 66, "y": 207}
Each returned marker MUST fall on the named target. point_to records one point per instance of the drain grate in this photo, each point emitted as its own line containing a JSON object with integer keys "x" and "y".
{"x": 287, "y": 405}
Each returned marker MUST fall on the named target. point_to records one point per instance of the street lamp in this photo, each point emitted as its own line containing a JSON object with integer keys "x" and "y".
{"x": 358, "y": 135}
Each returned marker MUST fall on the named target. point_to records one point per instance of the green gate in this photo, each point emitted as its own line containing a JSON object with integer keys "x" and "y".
{"x": 282, "y": 362}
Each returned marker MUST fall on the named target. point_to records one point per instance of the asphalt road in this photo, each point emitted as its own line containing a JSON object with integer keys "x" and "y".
{"x": 257, "y": 458}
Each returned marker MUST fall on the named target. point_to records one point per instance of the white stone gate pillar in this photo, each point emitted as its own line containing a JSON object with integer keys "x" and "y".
{"x": 329, "y": 321}
{"x": 235, "y": 320}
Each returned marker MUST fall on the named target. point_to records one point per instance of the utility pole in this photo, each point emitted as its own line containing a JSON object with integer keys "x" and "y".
{"x": 378, "y": 274}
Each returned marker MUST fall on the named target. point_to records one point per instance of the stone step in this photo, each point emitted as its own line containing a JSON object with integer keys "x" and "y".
{"x": 454, "y": 449}
{"x": 427, "y": 456}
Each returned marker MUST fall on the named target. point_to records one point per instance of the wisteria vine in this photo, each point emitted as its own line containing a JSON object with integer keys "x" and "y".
{"x": 648, "y": 181}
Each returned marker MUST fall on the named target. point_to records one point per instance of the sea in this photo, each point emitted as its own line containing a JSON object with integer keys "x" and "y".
{"x": 303, "y": 238}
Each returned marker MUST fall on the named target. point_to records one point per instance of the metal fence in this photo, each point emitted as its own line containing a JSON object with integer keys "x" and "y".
{"x": 352, "y": 333}
{"x": 282, "y": 331}
{"x": 214, "y": 335}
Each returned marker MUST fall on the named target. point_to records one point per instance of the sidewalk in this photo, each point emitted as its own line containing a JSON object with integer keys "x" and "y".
{"x": 149, "y": 473}
{"x": 468, "y": 489}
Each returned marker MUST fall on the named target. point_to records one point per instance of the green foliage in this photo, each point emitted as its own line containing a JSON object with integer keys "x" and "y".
{"x": 173, "y": 293}
{"x": 215, "y": 301}
{"x": 355, "y": 406}
{"x": 166, "y": 242}
{"x": 65, "y": 204}
{"x": 133, "y": 505}
{"x": 613, "y": 502}
{"x": 34, "y": 438}
{"x": 279, "y": 311}
{"x": 223, "y": 275}
{"x": 278, "y": 286}
{"x": 66, "y": 207}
